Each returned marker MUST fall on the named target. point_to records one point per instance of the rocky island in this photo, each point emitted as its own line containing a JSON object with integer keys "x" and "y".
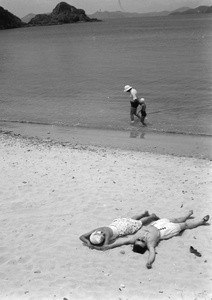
{"x": 63, "y": 13}
{"x": 8, "y": 20}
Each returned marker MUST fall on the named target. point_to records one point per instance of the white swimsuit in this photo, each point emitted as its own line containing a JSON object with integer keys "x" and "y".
{"x": 167, "y": 229}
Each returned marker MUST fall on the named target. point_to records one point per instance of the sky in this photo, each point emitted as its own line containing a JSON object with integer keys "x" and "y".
{"x": 21, "y": 8}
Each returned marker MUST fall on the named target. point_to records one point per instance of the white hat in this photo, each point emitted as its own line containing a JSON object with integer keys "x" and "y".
{"x": 127, "y": 88}
{"x": 96, "y": 237}
{"x": 142, "y": 100}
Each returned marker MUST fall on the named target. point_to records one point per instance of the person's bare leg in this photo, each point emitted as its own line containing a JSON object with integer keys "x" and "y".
{"x": 181, "y": 219}
{"x": 138, "y": 115}
{"x": 149, "y": 219}
{"x": 142, "y": 120}
{"x": 132, "y": 113}
{"x": 194, "y": 224}
{"x": 141, "y": 215}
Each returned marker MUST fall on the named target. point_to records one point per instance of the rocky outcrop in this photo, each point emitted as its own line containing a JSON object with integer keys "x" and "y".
{"x": 8, "y": 20}
{"x": 63, "y": 13}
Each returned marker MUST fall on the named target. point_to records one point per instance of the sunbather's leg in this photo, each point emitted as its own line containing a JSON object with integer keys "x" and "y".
{"x": 181, "y": 219}
{"x": 141, "y": 215}
{"x": 193, "y": 224}
{"x": 149, "y": 219}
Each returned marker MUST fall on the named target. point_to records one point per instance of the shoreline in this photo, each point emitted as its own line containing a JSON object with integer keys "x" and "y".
{"x": 137, "y": 139}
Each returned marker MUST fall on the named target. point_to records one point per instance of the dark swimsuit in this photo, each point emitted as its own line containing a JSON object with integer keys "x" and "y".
{"x": 134, "y": 103}
{"x": 143, "y": 110}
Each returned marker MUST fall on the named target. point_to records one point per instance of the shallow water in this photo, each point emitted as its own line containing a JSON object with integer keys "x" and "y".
{"x": 74, "y": 75}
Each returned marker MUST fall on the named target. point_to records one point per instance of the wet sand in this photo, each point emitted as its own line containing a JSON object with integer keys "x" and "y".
{"x": 137, "y": 139}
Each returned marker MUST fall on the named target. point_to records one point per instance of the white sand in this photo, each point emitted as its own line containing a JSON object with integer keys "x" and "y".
{"x": 51, "y": 194}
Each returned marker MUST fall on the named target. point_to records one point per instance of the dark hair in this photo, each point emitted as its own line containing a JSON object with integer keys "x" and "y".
{"x": 139, "y": 249}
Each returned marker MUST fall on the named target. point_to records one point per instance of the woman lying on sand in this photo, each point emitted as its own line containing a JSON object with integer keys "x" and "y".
{"x": 149, "y": 237}
{"x": 102, "y": 236}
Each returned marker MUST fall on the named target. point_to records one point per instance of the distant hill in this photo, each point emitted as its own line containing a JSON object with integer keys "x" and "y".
{"x": 43, "y": 19}
{"x": 103, "y": 15}
{"x": 120, "y": 14}
{"x": 198, "y": 10}
{"x": 8, "y": 20}
{"x": 28, "y": 17}
{"x": 112, "y": 15}
{"x": 180, "y": 10}
{"x": 63, "y": 13}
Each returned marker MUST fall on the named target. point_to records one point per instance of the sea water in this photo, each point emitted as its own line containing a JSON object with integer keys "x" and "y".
{"x": 74, "y": 74}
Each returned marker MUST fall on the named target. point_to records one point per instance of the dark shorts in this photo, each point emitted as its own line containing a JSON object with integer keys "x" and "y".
{"x": 143, "y": 113}
{"x": 134, "y": 103}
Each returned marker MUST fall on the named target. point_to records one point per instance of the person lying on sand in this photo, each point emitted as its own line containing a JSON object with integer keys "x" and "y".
{"x": 119, "y": 227}
{"x": 149, "y": 237}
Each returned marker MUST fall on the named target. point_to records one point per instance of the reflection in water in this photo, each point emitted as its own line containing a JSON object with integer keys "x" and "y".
{"x": 134, "y": 133}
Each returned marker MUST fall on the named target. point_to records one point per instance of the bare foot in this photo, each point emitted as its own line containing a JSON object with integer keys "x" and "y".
{"x": 146, "y": 213}
{"x": 190, "y": 212}
{"x": 156, "y": 217}
{"x": 205, "y": 219}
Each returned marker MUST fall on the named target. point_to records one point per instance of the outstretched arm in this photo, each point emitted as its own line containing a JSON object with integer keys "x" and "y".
{"x": 151, "y": 257}
{"x": 117, "y": 243}
{"x": 85, "y": 238}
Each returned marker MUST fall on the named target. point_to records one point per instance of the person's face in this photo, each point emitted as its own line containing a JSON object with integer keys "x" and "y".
{"x": 140, "y": 242}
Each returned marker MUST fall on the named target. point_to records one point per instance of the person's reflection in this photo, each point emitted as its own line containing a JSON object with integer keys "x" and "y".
{"x": 134, "y": 133}
{"x": 142, "y": 135}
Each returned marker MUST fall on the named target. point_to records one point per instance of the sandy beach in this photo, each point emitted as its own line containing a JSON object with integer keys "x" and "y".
{"x": 52, "y": 192}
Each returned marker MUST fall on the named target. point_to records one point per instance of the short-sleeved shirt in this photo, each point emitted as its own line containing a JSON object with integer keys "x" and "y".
{"x": 134, "y": 102}
{"x": 133, "y": 94}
